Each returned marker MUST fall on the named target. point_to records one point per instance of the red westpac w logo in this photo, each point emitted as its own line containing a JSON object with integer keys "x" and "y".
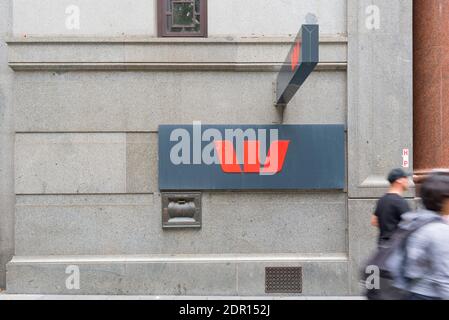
{"x": 251, "y": 157}
{"x": 295, "y": 55}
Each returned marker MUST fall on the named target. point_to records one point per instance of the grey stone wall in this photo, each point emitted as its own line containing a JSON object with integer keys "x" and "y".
{"x": 380, "y": 112}
{"x": 87, "y": 107}
{"x": 7, "y": 198}
{"x": 380, "y": 94}
{"x": 233, "y": 223}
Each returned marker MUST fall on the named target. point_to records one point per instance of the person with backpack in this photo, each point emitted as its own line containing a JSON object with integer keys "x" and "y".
{"x": 425, "y": 273}
{"x": 391, "y": 206}
{"x": 414, "y": 263}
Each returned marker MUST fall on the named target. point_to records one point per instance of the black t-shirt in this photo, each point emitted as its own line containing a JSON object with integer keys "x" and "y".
{"x": 389, "y": 210}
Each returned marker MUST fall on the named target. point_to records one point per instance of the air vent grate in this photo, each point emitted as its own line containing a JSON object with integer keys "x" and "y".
{"x": 283, "y": 279}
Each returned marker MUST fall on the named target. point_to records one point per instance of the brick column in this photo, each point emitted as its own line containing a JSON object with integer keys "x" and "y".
{"x": 431, "y": 85}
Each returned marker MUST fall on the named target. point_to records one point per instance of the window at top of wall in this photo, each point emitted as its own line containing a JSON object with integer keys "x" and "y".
{"x": 182, "y": 18}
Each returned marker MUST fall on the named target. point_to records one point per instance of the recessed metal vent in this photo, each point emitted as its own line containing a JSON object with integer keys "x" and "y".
{"x": 283, "y": 280}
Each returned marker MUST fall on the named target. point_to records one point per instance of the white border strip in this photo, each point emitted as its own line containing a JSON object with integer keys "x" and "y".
{"x": 178, "y": 259}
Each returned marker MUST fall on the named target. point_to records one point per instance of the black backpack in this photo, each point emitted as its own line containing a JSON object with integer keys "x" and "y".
{"x": 386, "y": 289}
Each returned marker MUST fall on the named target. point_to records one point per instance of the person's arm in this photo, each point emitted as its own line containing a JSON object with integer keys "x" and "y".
{"x": 375, "y": 217}
{"x": 374, "y": 221}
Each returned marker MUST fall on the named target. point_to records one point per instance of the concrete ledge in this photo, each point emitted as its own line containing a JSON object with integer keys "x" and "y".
{"x": 181, "y": 258}
{"x": 136, "y": 66}
{"x": 210, "y": 54}
{"x": 148, "y": 40}
{"x": 145, "y": 276}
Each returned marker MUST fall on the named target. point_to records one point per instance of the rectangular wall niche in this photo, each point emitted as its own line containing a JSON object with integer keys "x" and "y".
{"x": 181, "y": 210}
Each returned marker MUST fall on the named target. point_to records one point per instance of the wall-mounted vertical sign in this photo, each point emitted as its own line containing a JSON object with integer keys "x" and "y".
{"x": 239, "y": 157}
{"x": 300, "y": 62}
{"x": 406, "y": 158}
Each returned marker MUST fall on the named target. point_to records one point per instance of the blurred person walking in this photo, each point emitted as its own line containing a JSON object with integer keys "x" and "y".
{"x": 422, "y": 268}
{"x": 391, "y": 206}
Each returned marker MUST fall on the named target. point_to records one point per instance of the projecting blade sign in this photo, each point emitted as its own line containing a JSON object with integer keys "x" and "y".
{"x": 300, "y": 62}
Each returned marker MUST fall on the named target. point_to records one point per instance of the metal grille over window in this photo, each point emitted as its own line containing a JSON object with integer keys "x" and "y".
{"x": 283, "y": 280}
{"x": 182, "y": 18}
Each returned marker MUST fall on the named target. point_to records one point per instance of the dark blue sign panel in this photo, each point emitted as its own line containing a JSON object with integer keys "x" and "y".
{"x": 251, "y": 157}
{"x": 300, "y": 62}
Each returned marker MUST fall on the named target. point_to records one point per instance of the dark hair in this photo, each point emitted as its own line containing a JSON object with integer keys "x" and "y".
{"x": 434, "y": 190}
